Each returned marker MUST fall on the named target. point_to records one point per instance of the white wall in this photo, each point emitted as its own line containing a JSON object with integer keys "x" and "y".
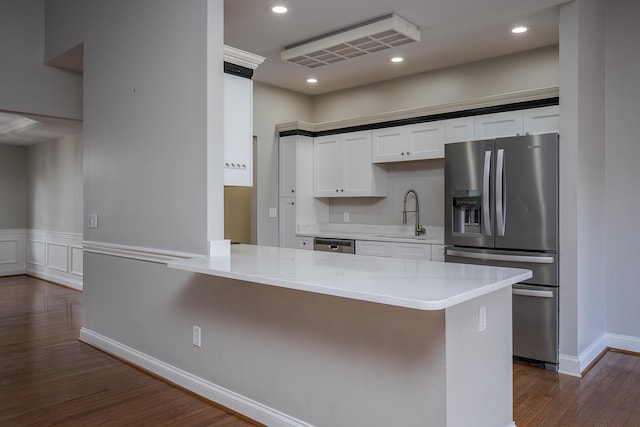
{"x": 26, "y": 84}
{"x": 55, "y": 185}
{"x": 13, "y": 187}
{"x": 272, "y": 105}
{"x": 582, "y": 265}
{"x": 532, "y": 69}
{"x": 622, "y": 171}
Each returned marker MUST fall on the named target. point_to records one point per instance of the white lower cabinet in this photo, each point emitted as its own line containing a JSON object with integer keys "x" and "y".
{"x": 287, "y": 223}
{"x": 305, "y": 243}
{"x": 418, "y": 251}
{"x": 437, "y": 253}
{"x": 372, "y": 248}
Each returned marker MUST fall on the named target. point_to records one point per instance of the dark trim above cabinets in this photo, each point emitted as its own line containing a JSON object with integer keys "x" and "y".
{"x": 238, "y": 70}
{"x": 432, "y": 118}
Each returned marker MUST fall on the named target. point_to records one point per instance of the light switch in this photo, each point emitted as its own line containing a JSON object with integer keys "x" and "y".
{"x": 273, "y": 212}
{"x": 92, "y": 221}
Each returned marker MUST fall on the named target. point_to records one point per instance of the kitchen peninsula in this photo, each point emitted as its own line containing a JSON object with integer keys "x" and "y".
{"x": 354, "y": 340}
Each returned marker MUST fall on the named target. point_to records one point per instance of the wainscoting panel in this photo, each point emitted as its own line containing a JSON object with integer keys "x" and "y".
{"x": 55, "y": 256}
{"x": 12, "y": 251}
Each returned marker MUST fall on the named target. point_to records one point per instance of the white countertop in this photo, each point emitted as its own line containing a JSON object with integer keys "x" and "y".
{"x": 421, "y": 285}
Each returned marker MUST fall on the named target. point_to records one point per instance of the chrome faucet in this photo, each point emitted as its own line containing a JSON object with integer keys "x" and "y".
{"x": 419, "y": 229}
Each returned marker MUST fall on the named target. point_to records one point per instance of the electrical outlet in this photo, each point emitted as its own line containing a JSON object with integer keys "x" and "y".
{"x": 197, "y": 336}
{"x": 346, "y": 217}
{"x": 92, "y": 220}
{"x": 482, "y": 318}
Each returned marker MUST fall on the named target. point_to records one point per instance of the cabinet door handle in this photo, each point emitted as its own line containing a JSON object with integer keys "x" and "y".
{"x": 408, "y": 153}
{"x": 293, "y": 191}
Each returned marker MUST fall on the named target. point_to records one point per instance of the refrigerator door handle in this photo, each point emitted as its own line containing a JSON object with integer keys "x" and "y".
{"x": 500, "y": 196}
{"x": 502, "y": 257}
{"x": 486, "y": 213}
{"x": 532, "y": 293}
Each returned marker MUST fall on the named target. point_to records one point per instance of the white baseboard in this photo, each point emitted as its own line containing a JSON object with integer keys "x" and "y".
{"x": 624, "y": 342}
{"x": 197, "y": 385}
{"x": 574, "y": 366}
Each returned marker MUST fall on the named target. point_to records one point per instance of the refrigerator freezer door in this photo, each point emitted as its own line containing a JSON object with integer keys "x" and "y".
{"x": 468, "y": 197}
{"x": 535, "y": 323}
{"x": 526, "y": 185}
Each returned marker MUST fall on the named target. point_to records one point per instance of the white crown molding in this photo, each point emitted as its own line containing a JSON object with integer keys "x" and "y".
{"x": 410, "y": 113}
{"x": 242, "y": 58}
{"x": 136, "y": 252}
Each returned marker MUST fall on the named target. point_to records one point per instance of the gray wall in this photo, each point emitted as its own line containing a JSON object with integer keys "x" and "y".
{"x": 622, "y": 171}
{"x": 272, "y": 105}
{"x": 582, "y": 233}
{"x": 55, "y": 185}
{"x": 147, "y": 123}
{"x": 26, "y": 84}
{"x": 13, "y": 187}
{"x": 532, "y": 69}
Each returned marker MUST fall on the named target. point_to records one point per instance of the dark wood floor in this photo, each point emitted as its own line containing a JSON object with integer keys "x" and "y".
{"x": 48, "y": 377}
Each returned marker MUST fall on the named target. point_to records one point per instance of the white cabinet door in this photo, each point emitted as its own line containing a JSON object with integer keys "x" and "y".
{"x": 305, "y": 243}
{"x": 238, "y": 130}
{"x": 425, "y": 140}
{"x": 488, "y": 126}
{"x": 437, "y": 253}
{"x": 372, "y": 248}
{"x": 287, "y": 222}
{"x": 460, "y": 129}
{"x": 327, "y": 168}
{"x": 343, "y": 168}
{"x": 287, "y": 168}
{"x": 411, "y": 251}
{"x": 356, "y": 164}
{"x": 542, "y": 120}
{"x": 389, "y": 144}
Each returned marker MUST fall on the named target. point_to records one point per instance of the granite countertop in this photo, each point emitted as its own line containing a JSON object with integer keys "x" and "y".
{"x": 420, "y": 285}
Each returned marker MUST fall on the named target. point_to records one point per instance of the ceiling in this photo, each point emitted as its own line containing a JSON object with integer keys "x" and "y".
{"x": 452, "y": 31}
{"x": 27, "y": 129}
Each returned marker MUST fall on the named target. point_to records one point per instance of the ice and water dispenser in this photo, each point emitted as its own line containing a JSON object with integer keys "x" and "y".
{"x": 467, "y": 211}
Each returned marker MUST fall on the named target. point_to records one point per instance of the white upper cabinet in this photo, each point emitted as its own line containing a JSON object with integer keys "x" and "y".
{"x": 343, "y": 168}
{"x": 238, "y": 119}
{"x": 460, "y": 129}
{"x": 542, "y": 120}
{"x": 238, "y": 131}
{"x": 497, "y": 125}
{"x": 411, "y": 142}
{"x": 426, "y": 140}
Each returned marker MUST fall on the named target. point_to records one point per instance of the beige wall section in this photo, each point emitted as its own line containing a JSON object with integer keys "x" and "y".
{"x": 272, "y": 105}
{"x": 237, "y": 213}
{"x": 532, "y": 69}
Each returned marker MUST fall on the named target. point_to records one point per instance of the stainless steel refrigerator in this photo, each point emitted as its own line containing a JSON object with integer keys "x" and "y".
{"x": 501, "y": 209}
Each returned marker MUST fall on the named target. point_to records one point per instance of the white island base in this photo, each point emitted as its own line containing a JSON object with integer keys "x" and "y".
{"x": 315, "y": 338}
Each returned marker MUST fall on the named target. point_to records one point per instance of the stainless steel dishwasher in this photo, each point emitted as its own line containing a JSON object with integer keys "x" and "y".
{"x": 344, "y": 246}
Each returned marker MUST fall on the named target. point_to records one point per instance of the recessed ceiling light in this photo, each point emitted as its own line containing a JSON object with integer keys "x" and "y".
{"x": 279, "y": 8}
{"x": 397, "y": 59}
{"x": 312, "y": 80}
{"x": 520, "y": 29}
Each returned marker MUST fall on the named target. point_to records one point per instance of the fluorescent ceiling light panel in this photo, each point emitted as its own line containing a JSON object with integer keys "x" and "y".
{"x": 372, "y": 36}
